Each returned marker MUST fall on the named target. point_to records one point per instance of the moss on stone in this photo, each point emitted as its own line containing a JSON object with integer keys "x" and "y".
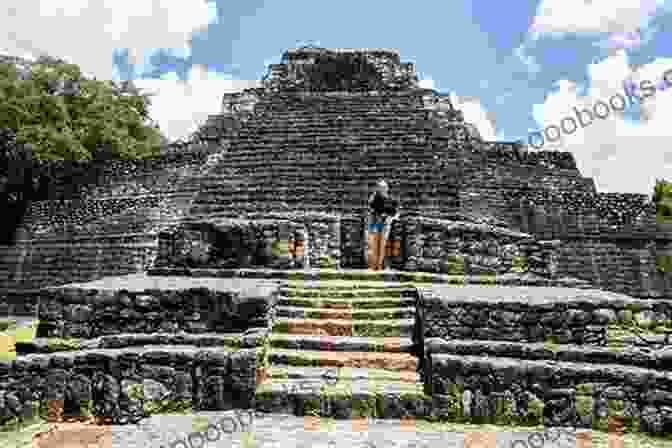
{"x": 135, "y": 391}
{"x": 364, "y": 407}
{"x": 199, "y": 423}
{"x": 87, "y": 408}
{"x": 280, "y": 248}
{"x": 504, "y": 411}
{"x": 520, "y": 264}
{"x": 6, "y": 325}
{"x": 584, "y": 405}
{"x": 584, "y": 389}
{"x": 552, "y": 343}
{"x": 311, "y": 406}
{"x": 327, "y": 262}
{"x": 535, "y": 412}
{"x": 455, "y": 411}
{"x": 167, "y": 406}
{"x": 64, "y": 344}
{"x": 664, "y": 263}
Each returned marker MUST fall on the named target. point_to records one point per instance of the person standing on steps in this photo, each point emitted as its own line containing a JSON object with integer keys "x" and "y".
{"x": 381, "y": 212}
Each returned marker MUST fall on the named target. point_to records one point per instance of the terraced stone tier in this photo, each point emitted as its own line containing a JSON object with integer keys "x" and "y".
{"x": 365, "y": 278}
{"x": 660, "y": 359}
{"x": 251, "y": 338}
{"x": 125, "y": 385}
{"x": 560, "y": 315}
{"x": 553, "y": 392}
{"x": 140, "y": 304}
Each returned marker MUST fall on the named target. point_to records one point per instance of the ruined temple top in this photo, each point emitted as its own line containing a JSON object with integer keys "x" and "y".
{"x": 341, "y": 70}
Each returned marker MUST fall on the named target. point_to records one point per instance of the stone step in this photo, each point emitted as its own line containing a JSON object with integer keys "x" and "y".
{"x": 346, "y": 313}
{"x": 633, "y": 356}
{"x": 380, "y": 328}
{"x": 357, "y": 399}
{"x": 385, "y": 279}
{"x": 336, "y": 303}
{"x": 341, "y": 343}
{"x": 331, "y": 375}
{"x": 348, "y": 292}
{"x": 376, "y": 360}
{"x": 249, "y": 339}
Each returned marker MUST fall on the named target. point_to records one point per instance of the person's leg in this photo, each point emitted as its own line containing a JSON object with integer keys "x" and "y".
{"x": 384, "y": 236}
{"x": 380, "y": 263}
{"x": 372, "y": 255}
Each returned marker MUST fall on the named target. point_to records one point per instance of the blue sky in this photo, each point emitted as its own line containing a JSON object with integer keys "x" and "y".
{"x": 512, "y": 67}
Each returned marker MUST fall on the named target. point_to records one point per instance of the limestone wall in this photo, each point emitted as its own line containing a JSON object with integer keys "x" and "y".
{"x": 457, "y": 247}
{"x": 45, "y": 262}
{"x": 222, "y": 243}
{"x": 509, "y": 391}
{"x": 149, "y": 381}
{"x": 492, "y": 355}
{"x": 91, "y": 313}
{"x": 564, "y": 317}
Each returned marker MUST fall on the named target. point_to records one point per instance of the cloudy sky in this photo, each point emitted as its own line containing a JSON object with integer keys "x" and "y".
{"x": 513, "y": 67}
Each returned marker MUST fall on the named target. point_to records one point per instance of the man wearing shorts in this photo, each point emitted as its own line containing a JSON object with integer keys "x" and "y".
{"x": 382, "y": 211}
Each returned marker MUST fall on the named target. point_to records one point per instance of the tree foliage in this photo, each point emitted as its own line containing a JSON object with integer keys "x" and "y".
{"x": 67, "y": 116}
{"x": 662, "y": 197}
{"x": 50, "y": 111}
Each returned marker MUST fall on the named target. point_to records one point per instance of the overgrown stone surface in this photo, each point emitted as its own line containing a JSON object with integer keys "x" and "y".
{"x": 310, "y": 142}
{"x": 279, "y": 181}
{"x": 555, "y": 393}
{"x": 87, "y": 312}
{"x": 519, "y": 314}
{"x": 371, "y": 376}
{"x": 125, "y": 385}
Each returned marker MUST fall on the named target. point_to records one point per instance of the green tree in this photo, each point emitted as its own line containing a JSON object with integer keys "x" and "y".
{"x": 662, "y": 197}
{"x": 67, "y": 116}
{"x": 50, "y": 111}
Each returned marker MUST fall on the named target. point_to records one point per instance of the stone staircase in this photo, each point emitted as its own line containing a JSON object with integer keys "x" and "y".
{"x": 343, "y": 352}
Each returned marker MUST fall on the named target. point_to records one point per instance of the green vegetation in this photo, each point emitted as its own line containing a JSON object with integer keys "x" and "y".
{"x": 632, "y": 326}
{"x": 662, "y": 198}
{"x": 520, "y": 264}
{"x": 664, "y": 264}
{"x": 65, "y": 116}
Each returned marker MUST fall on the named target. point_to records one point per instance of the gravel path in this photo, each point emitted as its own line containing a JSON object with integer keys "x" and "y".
{"x": 285, "y": 431}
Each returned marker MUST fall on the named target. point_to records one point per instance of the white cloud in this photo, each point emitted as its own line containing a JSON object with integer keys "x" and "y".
{"x": 426, "y": 83}
{"x": 597, "y": 16}
{"x": 180, "y": 106}
{"x": 475, "y": 114}
{"x": 622, "y": 156}
{"x": 88, "y": 32}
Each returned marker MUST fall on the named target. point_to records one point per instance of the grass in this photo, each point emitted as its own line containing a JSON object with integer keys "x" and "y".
{"x": 10, "y": 335}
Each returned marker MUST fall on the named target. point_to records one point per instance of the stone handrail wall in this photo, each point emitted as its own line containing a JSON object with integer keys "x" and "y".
{"x": 91, "y": 313}
{"x": 45, "y": 262}
{"x": 568, "y": 214}
{"x": 577, "y": 318}
{"x": 493, "y": 354}
{"x": 469, "y": 248}
{"x": 201, "y": 378}
{"x": 550, "y": 393}
{"x": 267, "y": 241}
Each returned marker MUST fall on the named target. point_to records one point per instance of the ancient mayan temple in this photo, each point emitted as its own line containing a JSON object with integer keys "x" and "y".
{"x": 517, "y": 293}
